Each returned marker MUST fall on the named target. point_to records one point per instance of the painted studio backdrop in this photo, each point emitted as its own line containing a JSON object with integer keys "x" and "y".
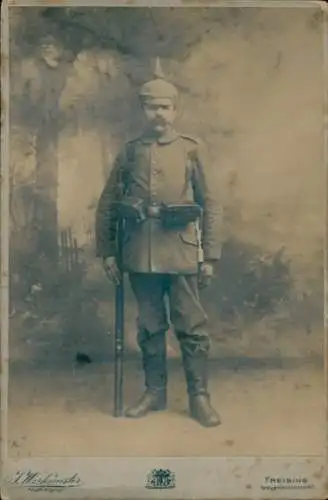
{"x": 247, "y": 90}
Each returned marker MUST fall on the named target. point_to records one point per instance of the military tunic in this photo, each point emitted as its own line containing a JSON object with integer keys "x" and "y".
{"x": 170, "y": 170}
{"x": 159, "y": 261}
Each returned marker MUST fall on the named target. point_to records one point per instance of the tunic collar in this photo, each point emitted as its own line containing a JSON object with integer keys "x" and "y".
{"x": 170, "y": 136}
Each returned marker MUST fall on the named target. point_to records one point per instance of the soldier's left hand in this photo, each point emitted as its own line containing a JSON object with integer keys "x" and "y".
{"x": 205, "y": 274}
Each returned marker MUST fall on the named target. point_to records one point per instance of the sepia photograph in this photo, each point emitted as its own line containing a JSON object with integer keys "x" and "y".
{"x": 163, "y": 250}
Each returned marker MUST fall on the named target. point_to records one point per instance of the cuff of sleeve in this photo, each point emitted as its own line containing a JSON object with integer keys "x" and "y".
{"x": 103, "y": 253}
{"x": 212, "y": 254}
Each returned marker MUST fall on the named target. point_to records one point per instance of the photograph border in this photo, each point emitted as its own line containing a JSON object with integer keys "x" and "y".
{"x": 122, "y": 478}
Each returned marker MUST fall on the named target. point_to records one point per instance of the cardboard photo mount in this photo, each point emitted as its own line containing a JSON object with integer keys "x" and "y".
{"x": 249, "y": 475}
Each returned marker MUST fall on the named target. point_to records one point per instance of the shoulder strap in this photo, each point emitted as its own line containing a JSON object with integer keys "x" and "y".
{"x": 130, "y": 150}
{"x": 190, "y": 138}
{"x": 128, "y": 164}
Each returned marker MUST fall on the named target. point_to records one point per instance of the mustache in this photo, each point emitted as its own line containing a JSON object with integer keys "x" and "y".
{"x": 159, "y": 121}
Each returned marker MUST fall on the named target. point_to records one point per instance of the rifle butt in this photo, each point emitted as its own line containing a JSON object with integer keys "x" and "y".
{"x": 119, "y": 333}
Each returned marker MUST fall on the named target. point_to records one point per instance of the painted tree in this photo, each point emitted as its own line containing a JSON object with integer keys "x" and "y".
{"x": 44, "y": 45}
{"x": 39, "y": 67}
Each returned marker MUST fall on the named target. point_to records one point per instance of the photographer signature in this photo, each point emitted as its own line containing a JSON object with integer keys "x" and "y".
{"x": 39, "y": 481}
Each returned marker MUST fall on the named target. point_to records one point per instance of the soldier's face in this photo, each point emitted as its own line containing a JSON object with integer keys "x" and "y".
{"x": 160, "y": 113}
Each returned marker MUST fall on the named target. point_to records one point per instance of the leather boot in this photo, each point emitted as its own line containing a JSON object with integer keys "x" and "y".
{"x": 195, "y": 361}
{"x": 153, "y": 349}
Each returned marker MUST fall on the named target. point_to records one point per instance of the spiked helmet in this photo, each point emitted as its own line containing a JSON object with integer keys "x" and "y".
{"x": 158, "y": 87}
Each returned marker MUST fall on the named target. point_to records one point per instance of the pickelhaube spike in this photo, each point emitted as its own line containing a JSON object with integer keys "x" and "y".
{"x": 158, "y": 73}
{"x": 159, "y": 87}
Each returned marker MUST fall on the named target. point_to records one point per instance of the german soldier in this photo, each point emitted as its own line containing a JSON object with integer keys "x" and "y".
{"x": 166, "y": 192}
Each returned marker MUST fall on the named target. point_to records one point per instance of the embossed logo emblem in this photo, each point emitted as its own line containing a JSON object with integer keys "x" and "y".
{"x": 160, "y": 479}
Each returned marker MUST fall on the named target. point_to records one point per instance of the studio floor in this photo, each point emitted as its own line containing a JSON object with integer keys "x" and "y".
{"x": 265, "y": 410}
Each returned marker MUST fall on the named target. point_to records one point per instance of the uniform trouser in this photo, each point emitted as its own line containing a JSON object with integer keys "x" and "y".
{"x": 188, "y": 319}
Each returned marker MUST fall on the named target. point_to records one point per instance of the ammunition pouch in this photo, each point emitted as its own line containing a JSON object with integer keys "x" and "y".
{"x": 179, "y": 215}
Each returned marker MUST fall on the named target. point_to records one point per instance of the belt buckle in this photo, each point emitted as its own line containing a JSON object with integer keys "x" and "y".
{"x": 153, "y": 211}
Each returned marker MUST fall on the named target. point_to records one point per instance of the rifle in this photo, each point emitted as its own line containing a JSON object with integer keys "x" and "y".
{"x": 200, "y": 251}
{"x": 119, "y": 327}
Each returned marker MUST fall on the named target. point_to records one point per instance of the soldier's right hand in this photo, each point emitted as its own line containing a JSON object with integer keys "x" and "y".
{"x": 111, "y": 269}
